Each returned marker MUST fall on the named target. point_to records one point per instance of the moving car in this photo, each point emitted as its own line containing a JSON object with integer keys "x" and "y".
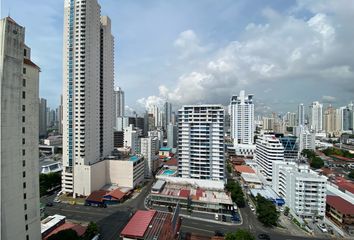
{"x": 322, "y": 227}
{"x": 216, "y": 216}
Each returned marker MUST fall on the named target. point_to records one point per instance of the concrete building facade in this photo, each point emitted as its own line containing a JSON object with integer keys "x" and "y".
{"x": 242, "y": 118}
{"x": 201, "y": 142}
{"x": 19, "y": 185}
{"x": 88, "y": 77}
{"x": 304, "y": 190}
{"x": 268, "y": 150}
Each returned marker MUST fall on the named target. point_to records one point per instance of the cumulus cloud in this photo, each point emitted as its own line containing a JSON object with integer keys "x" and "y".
{"x": 149, "y": 102}
{"x": 284, "y": 49}
{"x": 328, "y": 99}
{"x": 189, "y": 44}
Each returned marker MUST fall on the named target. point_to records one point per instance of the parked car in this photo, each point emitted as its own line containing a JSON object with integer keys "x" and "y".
{"x": 263, "y": 236}
{"x": 56, "y": 200}
{"x": 322, "y": 227}
{"x": 252, "y": 208}
{"x": 216, "y": 216}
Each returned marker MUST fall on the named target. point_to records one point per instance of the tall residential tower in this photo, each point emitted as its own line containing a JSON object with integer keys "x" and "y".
{"x": 19, "y": 183}
{"x": 242, "y": 118}
{"x": 201, "y": 142}
{"x": 88, "y": 76}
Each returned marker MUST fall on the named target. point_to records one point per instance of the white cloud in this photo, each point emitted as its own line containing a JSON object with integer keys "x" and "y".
{"x": 284, "y": 49}
{"x": 328, "y": 99}
{"x": 149, "y": 102}
{"x": 188, "y": 43}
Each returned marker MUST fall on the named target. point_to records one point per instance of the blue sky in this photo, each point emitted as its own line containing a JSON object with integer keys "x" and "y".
{"x": 203, "y": 51}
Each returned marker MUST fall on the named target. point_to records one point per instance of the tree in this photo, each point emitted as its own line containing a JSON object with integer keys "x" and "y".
{"x": 91, "y": 231}
{"x": 286, "y": 211}
{"x": 65, "y": 234}
{"x": 49, "y": 181}
{"x": 351, "y": 174}
{"x": 266, "y": 212}
{"x": 308, "y": 153}
{"x": 317, "y": 162}
{"x": 229, "y": 169}
{"x": 240, "y": 234}
{"x": 236, "y": 192}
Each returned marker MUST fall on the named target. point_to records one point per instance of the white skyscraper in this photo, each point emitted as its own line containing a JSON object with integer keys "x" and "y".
{"x": 88, "y": 75}
{"x": 268, "y": 150}
{"x": 201, "y": 142}
{"x": 148, "y": 148}
{"x": 171, "y": 135}
{"x": 316, "y": 116}
{"x": 301, "y": 115}
{"x": 303, "y": 190}
{"x": 131, "y": 139}
{"x": 242, "y": 118}
{"x": 19, "y": 184}
{"x": 119, "y": 102}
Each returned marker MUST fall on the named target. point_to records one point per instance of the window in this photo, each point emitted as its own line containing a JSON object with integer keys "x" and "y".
{"x": 23, "y": 94}
{"x": 24, "y": 196}
{"x": 23, "y": 152}
{"x": 27, "y": 237}
{"x": 26, "y": 227}
{"x": 23, "y": 174}
{"x": 25, "y": 52}
{"x": 23, "y": 130}
{"x": 26, "y": 217}
{"x": 25, "y": 206}
{"x": 24, "y": 71}
{"x": 24, "y": 82}
{"x": 23, "y": 163}
{"x": 23, "y": 141}
{"x": 23, "y": 119}
{"x": 23, "y": 108}
{"x": 24, "y": 185}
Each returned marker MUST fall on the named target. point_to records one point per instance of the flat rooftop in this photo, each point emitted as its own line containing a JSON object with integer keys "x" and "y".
{"x": 197, "y": 194}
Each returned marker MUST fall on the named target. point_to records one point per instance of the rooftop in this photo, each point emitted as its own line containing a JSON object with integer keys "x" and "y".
{"x": 345, "y": 184}
{"x": 197, "y": 194}
{"x": 166, "y": 149}
{"x": 138, "y": 224}
{"x": 50, "y": 222}
{"x": 243, "y": 169}
{"x": 340, "y": 204}
{"x": 80, "y": 230}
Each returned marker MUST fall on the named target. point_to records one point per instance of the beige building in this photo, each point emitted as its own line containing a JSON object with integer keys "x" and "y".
{"x": 88, "y": 75}
{"x": 329, "y": 120}
{"x": 19, "y": 184}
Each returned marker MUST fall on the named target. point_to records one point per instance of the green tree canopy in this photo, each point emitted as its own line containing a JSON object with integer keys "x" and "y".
{"x": 91, "y": 231}
{"x": 240, "y": 234}
{"x": 266, "y": 212}
{"x": 65, "y": 234}
{"x": 316, "y": 162}
{"x": 48, "y": 181}
{"x": 235, "y": 189}
{"x": 351, "y": 174}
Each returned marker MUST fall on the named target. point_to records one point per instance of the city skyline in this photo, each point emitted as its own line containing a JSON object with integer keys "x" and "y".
{"x": 224, "y": 55}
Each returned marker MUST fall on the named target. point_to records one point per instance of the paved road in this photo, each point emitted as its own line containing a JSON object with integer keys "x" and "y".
{"x": 111, "y": 220}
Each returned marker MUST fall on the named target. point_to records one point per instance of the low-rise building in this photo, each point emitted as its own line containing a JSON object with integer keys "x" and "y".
{"x": 304, "y": 190}
{"x": 209, "y": 198}
{"x": 152, "y": 225}
{"x": 341, "y": 212}
{"x": 56, "y": 140}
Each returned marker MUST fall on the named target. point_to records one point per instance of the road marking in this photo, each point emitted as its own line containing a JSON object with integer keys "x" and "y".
{"x": 200, "y": 229}
{"x": 82, "y": 212}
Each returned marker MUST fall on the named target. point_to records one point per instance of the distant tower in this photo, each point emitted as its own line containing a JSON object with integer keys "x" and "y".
{"x": 119, "y": 102}
{"x": 301, "y": 115}
{"x": 316, "y": 116}
{"x": 242, "y": 118}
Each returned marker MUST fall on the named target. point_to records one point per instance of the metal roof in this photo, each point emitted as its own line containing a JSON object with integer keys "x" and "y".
{"x": 138, "y": 224}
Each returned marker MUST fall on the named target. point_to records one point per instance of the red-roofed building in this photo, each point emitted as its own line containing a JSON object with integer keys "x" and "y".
{"x": 115, "y": 195}
{"x": 345, "y": 184}
{"x": 243, "y": 169}
{"x": 184, "y": 193}
{"x": 151, "y": 225}
{"x": 340, "y": 212}
{"x": 80, "y": 230}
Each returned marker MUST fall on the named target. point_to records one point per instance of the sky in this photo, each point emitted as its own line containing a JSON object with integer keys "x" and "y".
{"x": 205, "y": 51}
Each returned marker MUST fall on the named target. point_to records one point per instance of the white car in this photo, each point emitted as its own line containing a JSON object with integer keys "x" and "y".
{"x": 252, "y": 208}
{"x": 56, "y": 200}
{"x": 216, "y": 216}
{"x": 322, "y": 227}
